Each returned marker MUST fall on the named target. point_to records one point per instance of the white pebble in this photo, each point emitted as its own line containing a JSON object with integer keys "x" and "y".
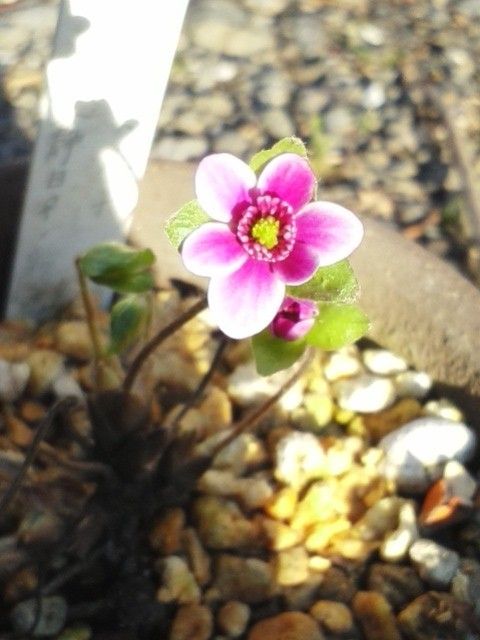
{"x": 66, "y": 385}
{"x": 253, "y": 492}
{"x": 459, "y": 483}
{"x": 372, "y": 34}
{"x": 13, "y": 380}
{"x": 383, "y": 362}
{"x": 178, "y": 583}
{"x": 413, "y": 384}
{"x": 397, "y": 543}
{"x": 364, "y": 394}
{"x": 435, "y": 563}
{"x": 341, "y": 365}
{"x": 246, "y": 387}
{"x": 416, "y": 453}
{"x": 299, "y": 457}
{"x": 443, "y": 408}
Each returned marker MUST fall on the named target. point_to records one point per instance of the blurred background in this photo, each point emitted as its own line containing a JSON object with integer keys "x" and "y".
{"x": 385, "y": 94}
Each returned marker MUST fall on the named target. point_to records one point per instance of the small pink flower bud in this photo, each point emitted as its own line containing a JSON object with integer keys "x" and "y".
{"x": 294, "y": 319}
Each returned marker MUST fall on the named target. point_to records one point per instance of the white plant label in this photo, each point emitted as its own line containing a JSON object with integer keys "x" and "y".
{"x": 104, "y": 89}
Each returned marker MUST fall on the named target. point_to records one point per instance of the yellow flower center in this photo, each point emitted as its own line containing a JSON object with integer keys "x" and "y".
{"x": 265, "y": 231}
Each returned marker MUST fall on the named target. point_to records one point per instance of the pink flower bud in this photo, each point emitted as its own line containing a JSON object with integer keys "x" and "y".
{"x": 294, "y": 319}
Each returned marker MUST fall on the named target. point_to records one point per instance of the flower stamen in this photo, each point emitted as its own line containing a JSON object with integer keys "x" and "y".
{"x": 267, "y": 229}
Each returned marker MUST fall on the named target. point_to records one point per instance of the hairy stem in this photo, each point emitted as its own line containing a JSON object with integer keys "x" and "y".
{"x": 157, "y": 339}
{"x": 197, "y": 394}
{"x": 91, "y": 322}
{"x": 250, "y": 420}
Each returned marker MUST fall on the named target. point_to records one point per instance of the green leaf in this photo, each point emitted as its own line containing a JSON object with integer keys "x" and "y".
{"x": 140, "y": 282}
{"x": 286, "y": 145}
{"x": 337, "y": 325}
{"x": 123, "y": 269}
{"x": 111, "y": 259}
{"x": 127, "y": 320}
{"x": 336, "y": 283}
{"x": 273, "y": 354}
{"x": 184, "y": 221}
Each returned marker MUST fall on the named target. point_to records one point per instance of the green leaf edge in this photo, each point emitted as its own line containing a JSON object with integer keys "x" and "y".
{"x": 322, "y": 336}
{"x": 292, "y": 144}
{"x": 266, "y": 344}
{"x": 317, "y": 287}
{"x": 188, "y": 218}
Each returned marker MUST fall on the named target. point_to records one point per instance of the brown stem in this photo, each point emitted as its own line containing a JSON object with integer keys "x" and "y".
{"x": 157, "y": 339}
{"x": 91, "y": 322}
{"x": 40, "y": 434}
{"x": 196, "y": 395}
{"x": 254, "y": 416}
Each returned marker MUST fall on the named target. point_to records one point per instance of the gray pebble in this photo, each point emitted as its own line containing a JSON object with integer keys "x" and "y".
{"x": 267, "y": 7}
{"x": 311, "y": 101}
{"x": 50, "y": 619}
{"x": 180, "y": 149}
{"x": 250, "y": 41}
{"x": 339, "y": 122}
{"x": 274, "y": 89}
{"x": 231, "y": 142}
{"x": 308, "y": 33}
{"x": 416, "y": 453}
{"x": 466, "y": 583}
{"x": 435, "y": 563}
{"x": 413, "y": 384}
{"x": 277, "y": 123}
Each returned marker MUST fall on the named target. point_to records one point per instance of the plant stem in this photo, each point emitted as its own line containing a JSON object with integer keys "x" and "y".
{"x": 254, "y": 416}
{"x": 157, "y": 339}
{"x": 40, "y": 434}
{"x": 91, "y": 322}
{"x": 196, "y": 395}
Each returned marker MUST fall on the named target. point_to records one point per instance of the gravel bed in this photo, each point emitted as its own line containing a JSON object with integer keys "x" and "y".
{"x": 350, "y": 511}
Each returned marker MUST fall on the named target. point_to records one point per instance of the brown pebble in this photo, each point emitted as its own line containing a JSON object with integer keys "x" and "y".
{"x": 247, "y": 579}
{"x": 45, "y": 367}
{"x": 291, "y": 625}
{"x": 20, "y": 585}
{"x": 192, "y": 622}
{"x": 438, "y": 615}
{"x": 19, "y": 433}
{"x": 399, "y": 584}
{"x": 232, "y": 618}
{"x": 375, "y": 616}
{"x": 384, "y": 422}
{"x": 14, "y": 351}
{"x": 302, "y": 596}
{"x": 198, "y": 559}
{"x": 336, "y": 585}
{"x": 72, "y": 338}
{"x": 31, "y": 411}
{"x": 222, "y": 525}
{"x": 165, "y": 535}
{"x": 291, "y": 566}
{"x": 334, "y": 616}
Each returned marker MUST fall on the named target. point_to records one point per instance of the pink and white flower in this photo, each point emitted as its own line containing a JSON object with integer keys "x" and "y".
{"x": 294, "y": 319}
{"x": 265, "y": 234}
